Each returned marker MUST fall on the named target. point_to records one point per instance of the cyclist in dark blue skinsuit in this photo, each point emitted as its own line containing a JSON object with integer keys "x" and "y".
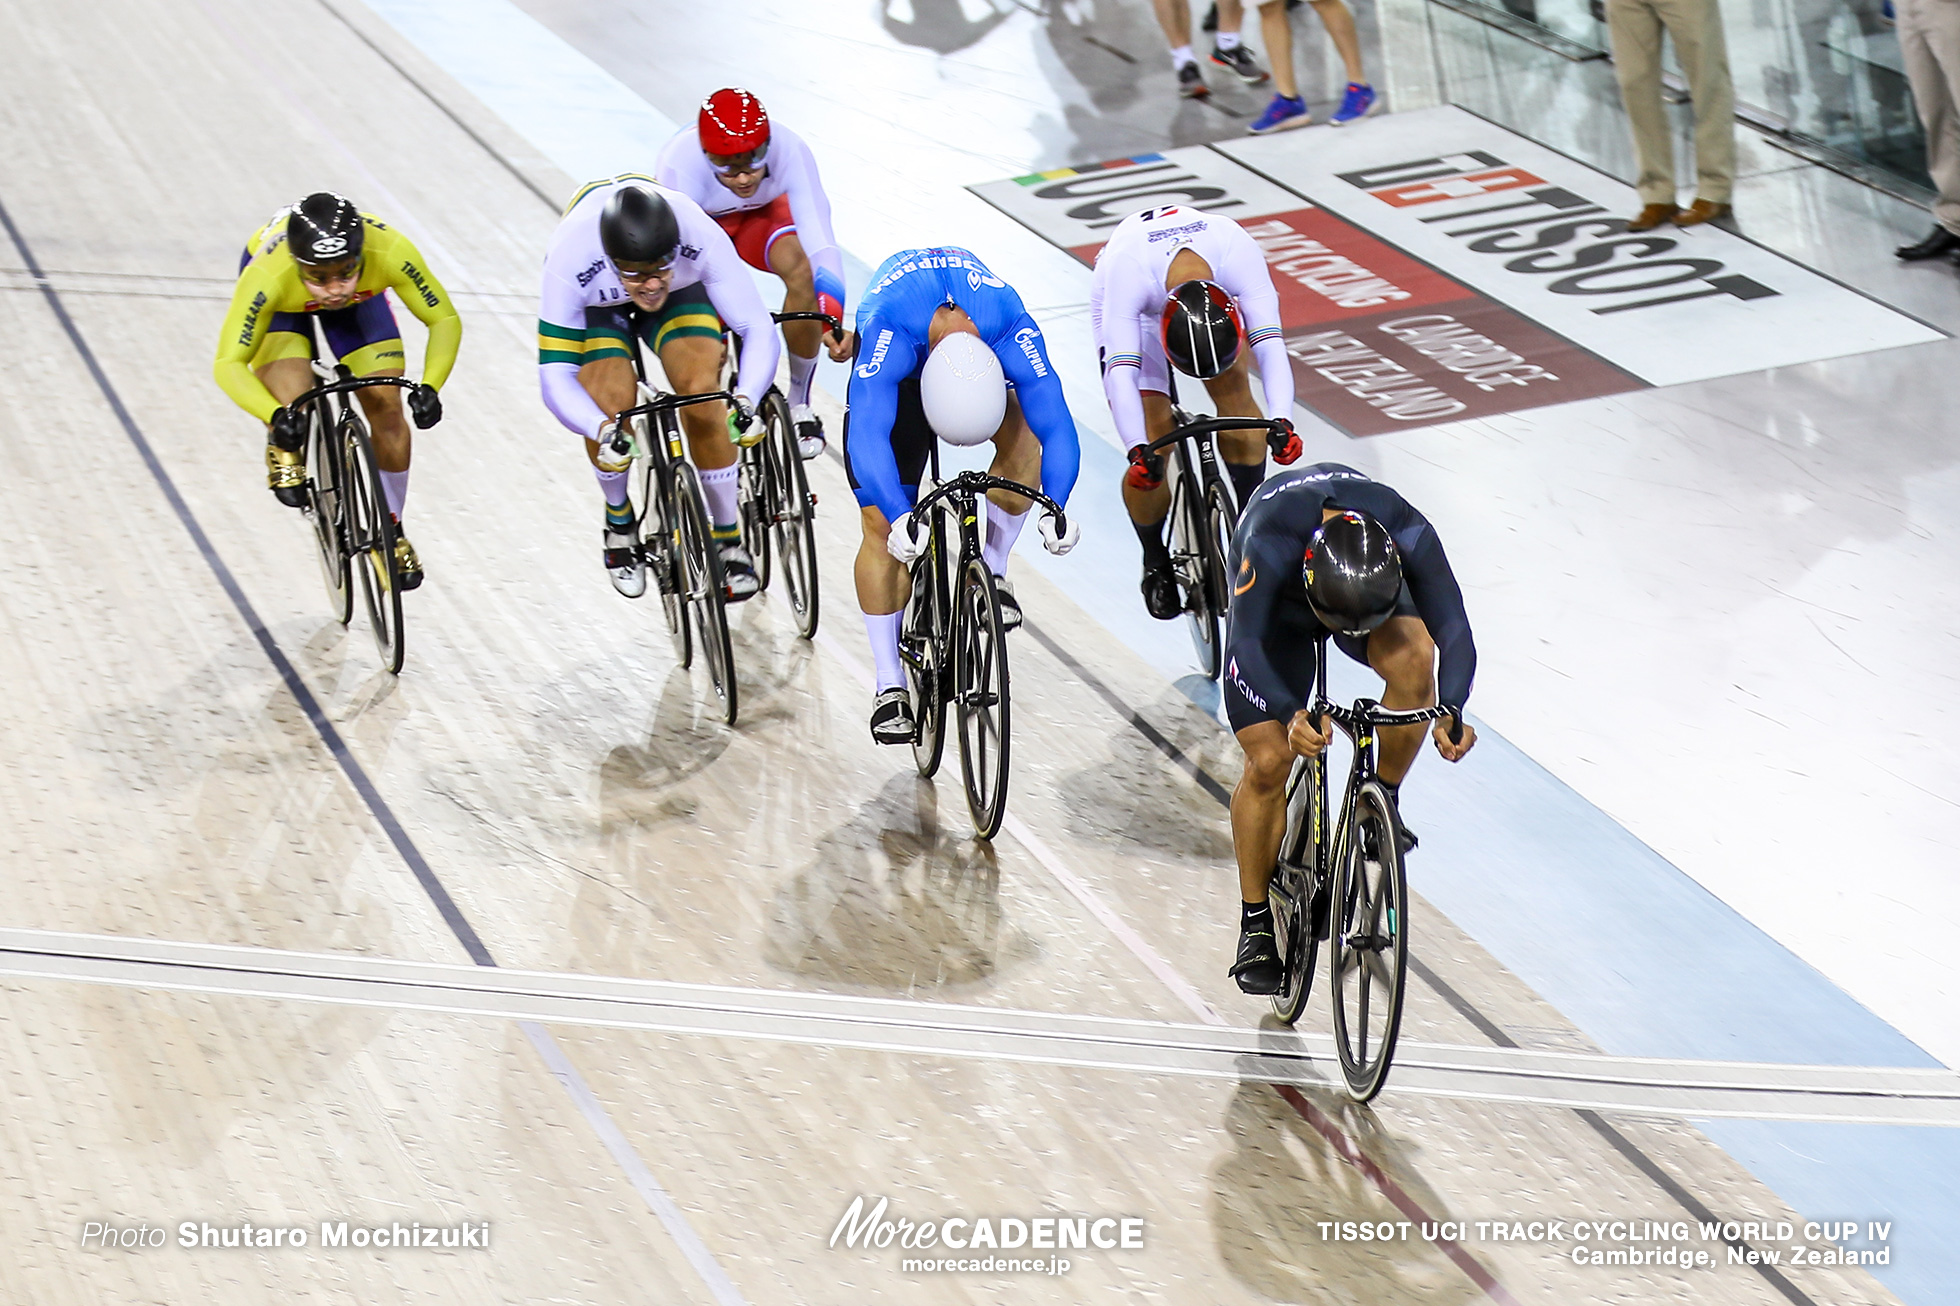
{"x": 945, "y": 350}
{"x": 1324, "y": 551}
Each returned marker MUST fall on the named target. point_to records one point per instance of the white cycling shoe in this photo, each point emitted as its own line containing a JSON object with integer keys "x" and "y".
{"x": 738, "y": 578}
{"x": 810, "y": 439}
{"x": 1010, "y": 607}
{"x": 624, "y": 562}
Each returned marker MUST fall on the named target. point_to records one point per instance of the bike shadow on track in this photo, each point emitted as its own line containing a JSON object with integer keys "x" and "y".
{"x": 1136, "y": 795}
{"x": 1281, "y": 1180}
{"x": 898, "y": 899}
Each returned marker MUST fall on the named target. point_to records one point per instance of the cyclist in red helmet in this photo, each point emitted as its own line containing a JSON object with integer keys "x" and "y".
{"x": 759, "y": 181}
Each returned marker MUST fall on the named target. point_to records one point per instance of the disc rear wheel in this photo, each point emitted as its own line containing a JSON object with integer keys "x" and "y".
{"x": 701, "y": 574}
{"x": 1195, "y": 570}
{"x": 794, "y": 518}
{"x": 1292, "y": 893}
{"x": 922, "y": 645}
{"x": 325, "y": 507}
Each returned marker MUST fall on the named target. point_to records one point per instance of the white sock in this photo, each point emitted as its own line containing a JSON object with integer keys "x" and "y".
{"x": 883, "y": 631}
{"x": 394, "y": 488}
{"x": 1181, "y": 56}
{"x": 1002, "y": 531}
{"x": 1228, "y": 40}
{"x": 801, "y": 370}
{"x": 718, "y": 485}
{"x": 612, "y": 485}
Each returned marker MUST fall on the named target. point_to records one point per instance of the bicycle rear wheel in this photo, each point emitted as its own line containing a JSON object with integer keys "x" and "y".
{"x": 758, "y": 503}
{"x": 1220, "y": 520}
{"x": 1369, "y": 949}
{"x": 1292, "y": 893}
{"x": 980, "y": 697}
{"x": 371, "y": 543}
{"x": 794, "y": 517}
{"x": 1194, "y": 570}
{"x": 700, "y": 566}
{"x": 325, "y": 506}
{"x": 922, "y": 645}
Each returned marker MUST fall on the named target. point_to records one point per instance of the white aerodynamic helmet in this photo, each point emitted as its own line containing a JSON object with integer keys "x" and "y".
{"x": 963, "y": 390}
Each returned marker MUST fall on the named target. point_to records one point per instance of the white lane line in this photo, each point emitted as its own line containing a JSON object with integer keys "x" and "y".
{"x": 663, "y": 1207}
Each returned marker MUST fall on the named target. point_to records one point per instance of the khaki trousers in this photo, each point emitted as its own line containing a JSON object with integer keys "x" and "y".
{"x": 1635, "y": 27}
{"x": 1929, "y": 37}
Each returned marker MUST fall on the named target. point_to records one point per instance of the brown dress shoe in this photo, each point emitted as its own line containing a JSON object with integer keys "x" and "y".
{"x": 1701, "y": 211}
{"x": 1652, "y": 216}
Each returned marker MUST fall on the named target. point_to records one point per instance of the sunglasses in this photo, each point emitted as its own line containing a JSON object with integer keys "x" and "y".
{"x": 641, "y": 278}
{"x": 755, "y": 158}
{"x": 325, "y": 274}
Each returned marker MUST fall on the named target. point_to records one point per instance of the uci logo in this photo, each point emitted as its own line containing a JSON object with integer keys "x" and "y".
{"x": 870, "y": 369}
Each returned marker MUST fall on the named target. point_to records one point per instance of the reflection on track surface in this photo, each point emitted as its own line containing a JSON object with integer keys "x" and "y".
{"x": 215, "y": 763}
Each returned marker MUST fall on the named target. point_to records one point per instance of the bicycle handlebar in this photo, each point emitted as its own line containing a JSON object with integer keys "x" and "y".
{"x": 1276, "y": 431}
{"x": 350, "y": 384}
{"x": 667, "y": 403}
{"x": 980, "y": 483}
{"x": 1367, "y": 712}
{"x": 836, "y": 326}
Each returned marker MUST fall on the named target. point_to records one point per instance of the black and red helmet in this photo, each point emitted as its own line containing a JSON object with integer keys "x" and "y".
{"x": 1202, "y": 331}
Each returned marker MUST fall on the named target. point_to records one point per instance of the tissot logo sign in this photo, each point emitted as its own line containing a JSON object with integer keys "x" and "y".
{"x": 1433, "y": 266}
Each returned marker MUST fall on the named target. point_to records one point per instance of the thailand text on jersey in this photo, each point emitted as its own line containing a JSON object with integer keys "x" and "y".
{"x": 271, "y": 284}
{"x": 1269, "y": 586}
{"x": 1127, "y": 295}
{"x": 578, "y": 276}
{"x": 893, "y": 321}
{"x": 791, "y": 171}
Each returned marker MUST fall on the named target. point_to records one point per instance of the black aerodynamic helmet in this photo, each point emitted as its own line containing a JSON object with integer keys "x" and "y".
{"x": 324, "y": 228}
{"x": 1353, "y": 573}
{"x": 1202, "y": 333}
{"x": 639, "y": 226}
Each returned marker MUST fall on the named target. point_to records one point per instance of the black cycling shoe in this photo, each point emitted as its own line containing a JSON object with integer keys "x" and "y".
{"x": 1160, "y": 593}
{"x": 1259, "y": 969}
{"x": 891, "y": 717}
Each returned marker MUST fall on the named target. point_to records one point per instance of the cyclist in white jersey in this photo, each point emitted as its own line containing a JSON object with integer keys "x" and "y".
{"x": 1178, "y": 287}
{"x": 759, "y": 181}
{"x": 630, "y": 255}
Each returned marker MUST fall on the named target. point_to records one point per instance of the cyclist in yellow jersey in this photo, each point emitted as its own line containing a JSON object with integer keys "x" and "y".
{"x": 324, "y": 258}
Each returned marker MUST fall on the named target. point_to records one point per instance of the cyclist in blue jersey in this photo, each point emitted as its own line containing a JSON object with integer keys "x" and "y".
{"x": 945, "y": 349}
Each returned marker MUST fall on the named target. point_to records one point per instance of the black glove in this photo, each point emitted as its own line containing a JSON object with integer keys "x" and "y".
{"x": 1146, "y": 468}
{"x": 1286, "y": 447}
{"x": 425, "y": 405}
{"x": 288, "y": 430}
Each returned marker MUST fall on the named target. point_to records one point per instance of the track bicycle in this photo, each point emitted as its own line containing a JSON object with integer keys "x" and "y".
{"x": 952, "y": 643}
{"x": 778, "y": 511}
{"x": 676, "y": 542}
{"x": 352, "y": 526}
{"x": 1347, "y": 885}
{"x": 1203, "y": 514}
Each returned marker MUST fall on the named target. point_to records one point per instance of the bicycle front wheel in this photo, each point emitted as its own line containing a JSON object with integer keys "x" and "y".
{"x": 371, "y": 542}
{"x": 1194, "y": 568}
{"x": 980, "y": 696}
{"x": 700, "y": 566}
{"x": 1369, "y": 948}
{"x": 794, "y": 511}
{"x": 326, "y": 506}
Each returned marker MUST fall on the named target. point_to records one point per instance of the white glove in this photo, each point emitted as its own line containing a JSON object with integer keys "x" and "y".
{"x": 1059, "y": 544}
{"x": 615, "y": 454}
{"x": 900, "y": 542}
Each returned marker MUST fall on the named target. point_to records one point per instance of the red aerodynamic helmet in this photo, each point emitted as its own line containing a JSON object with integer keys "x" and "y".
{"x": 733, "y": 122}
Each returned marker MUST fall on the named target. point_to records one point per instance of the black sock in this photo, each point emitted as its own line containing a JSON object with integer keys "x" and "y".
{"x": 1254, "y": 914}
{"x": 1245, "y": 479}
{"x": 1155, "y": 552}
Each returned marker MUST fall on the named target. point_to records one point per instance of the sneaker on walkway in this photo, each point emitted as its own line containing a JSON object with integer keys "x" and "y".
{"x": 1359, "y": 102}
{"x": 1281, "y": 115}
{"x": 1240, "y": 60}
{"x": 1191, "y": 82}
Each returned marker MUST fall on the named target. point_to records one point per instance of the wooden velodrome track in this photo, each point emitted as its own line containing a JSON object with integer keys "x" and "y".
{"x": 542, "y": 790}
